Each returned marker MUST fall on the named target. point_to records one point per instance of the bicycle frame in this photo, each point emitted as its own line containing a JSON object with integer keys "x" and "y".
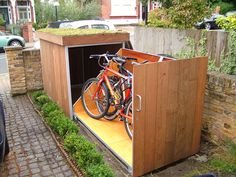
{"x": 104, "y": 78}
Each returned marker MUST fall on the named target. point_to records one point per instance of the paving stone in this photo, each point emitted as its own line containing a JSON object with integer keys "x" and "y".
{"x": 33, "y": 152}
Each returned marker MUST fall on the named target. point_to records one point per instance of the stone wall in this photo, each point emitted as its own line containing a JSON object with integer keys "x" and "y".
{"x": 25, "y": 70}
{"x": 33, "y": 69}
{"x": 219, "y": 116}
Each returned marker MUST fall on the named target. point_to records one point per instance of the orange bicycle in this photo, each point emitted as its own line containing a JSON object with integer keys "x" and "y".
{"x": 109, "y": 95}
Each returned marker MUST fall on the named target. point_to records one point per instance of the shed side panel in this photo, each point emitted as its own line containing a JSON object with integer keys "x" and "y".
{"x": 168, "y": 127}
{"x": 54, "y": 70}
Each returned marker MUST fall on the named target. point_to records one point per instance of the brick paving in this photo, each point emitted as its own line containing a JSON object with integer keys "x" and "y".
{"x": 32, "y": 149}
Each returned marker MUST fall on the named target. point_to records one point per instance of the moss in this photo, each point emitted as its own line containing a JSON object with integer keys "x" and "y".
{"x": 76, "y": 32}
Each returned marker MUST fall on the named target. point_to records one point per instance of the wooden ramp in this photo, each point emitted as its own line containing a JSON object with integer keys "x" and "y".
{"x": 111, "y": 133}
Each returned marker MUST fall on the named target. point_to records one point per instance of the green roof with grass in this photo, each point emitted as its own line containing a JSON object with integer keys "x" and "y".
{"x": 77, "y": 32}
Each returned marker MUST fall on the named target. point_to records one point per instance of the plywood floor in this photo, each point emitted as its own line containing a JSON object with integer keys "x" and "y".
{"x": 112, "y": 133}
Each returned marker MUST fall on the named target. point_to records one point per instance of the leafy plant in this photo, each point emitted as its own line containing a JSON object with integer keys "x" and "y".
{"x": 49, "y": 107}
{"x": 81, "y": 150}
{"x": 36, "y": 94}
{"x": 100, "y": 170}
{"x": 159, "y": 18}
{"x": 227, "y": 23}
{"x": 2, "y": 21}
{"x": 42, "y": 99}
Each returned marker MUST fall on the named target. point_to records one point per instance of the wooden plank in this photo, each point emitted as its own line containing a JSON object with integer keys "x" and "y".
{"x": 84, "y": 39}
{"x": 139, "y": 121}
{"x": 55, "y": 74}
{"x": 169, "y": 126}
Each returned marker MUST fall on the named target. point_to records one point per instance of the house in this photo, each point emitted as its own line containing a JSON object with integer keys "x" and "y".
{"x": 125, "y": 11}
{"x": 14, "y": 11}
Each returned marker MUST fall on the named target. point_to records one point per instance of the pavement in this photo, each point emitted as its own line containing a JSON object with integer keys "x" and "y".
{"x": 33, "y": 151}
{"x": 3, "y": 63}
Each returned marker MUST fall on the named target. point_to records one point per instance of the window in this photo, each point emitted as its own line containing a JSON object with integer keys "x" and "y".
{"x": 123, "y": 8}
{"x": 24, "y": 13}
{"x": 84, "y": 27}
{"x": 100, "y": 26}
{"x": 3, "y": 3}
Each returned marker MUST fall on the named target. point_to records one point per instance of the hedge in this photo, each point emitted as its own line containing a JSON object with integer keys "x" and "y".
{"x": 84, "y": 153}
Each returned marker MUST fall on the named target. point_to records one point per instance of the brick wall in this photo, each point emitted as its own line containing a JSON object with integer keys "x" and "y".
{"x": 25, "y": 70}
{"x": 27, "y": 32}
{"x": 33, "y": 69}
{"x": 219, "y": 117}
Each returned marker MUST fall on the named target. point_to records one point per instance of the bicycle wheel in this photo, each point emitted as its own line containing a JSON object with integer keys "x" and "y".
{"x": 112, "y": 112}
{"x": 90, "y": 99}
{"x": 128, "y": 122}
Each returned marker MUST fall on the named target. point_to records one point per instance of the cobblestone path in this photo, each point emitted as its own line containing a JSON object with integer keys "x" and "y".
{"x": 32, "y": 149}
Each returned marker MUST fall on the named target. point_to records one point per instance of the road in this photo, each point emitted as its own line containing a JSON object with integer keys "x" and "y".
{"x": 3, "y": 63}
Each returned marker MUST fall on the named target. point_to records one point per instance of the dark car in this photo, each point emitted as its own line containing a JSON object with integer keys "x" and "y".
{"x": 4, "y": 147}
{"x": 209, "y": 23}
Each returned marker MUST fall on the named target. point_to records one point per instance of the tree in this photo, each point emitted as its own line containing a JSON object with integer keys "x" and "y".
{"x": 185, "y": 13}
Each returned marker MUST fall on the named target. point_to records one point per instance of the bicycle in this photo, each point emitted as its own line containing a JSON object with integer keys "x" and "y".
{"x": 107, "y": 90}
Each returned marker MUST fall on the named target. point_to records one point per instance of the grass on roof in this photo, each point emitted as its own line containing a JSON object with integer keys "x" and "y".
{"x": 76, "y": 32}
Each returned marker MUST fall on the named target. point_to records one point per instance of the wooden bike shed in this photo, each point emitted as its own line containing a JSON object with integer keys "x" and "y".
{"x": 167, "y": 118}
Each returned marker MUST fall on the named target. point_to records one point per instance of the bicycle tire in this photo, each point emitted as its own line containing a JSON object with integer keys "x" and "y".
{"x": 100, "y": 113}
{"x": 128, "y": 107}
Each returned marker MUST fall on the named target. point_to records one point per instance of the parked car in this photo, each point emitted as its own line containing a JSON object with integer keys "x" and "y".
{"x": 88, "y": 24}
{"x": 11, "y": 40}
{"x": 230, "y": 13}
{"x": 209, "y": 23}
{"x": 56, "y": 24}
{"x": 4, "y": 147}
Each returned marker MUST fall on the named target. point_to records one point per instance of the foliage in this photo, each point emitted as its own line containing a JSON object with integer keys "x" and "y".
{"x": 82, "y": 151}
{"x": 224, "y": 6}
{"x": 159, "y": 18}
{"x": 225, "y": 160}
{"x": 67, "y": 10}
{"x": 227, "y": 23}
{"x": 61, "y": 124}
{"x": 15, "y": 29}
{"x": 99, "y": 171}
{"x": 37, "y": 26}
{"x": 49, "y": 107}
{"x": 2, "y": 22}
{"x": 182, "y": 14}
{"x": 228, "y": 62}
{"x": 42, "y": 99}
{"x": 36, "y": 94}
{"x": 185, "y": 13}
{"x": 75, "y": 32}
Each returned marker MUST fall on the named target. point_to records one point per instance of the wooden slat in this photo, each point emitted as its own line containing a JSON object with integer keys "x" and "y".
{"x": 85, "y": 39}
{"x": 168, "y": 127}
{"x": 54, "y": 73}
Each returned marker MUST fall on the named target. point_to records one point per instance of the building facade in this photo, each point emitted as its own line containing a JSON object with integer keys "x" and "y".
{"x": 14, "y": 11}
{"x": 125, "y": 11}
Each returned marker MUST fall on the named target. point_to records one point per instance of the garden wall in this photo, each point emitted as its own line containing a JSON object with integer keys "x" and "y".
{"x": 171, "y": 41}
{"x": 25, "y": 70}
{"x": 219, "y": 117}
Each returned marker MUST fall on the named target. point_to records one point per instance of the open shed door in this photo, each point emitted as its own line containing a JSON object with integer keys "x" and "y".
{"x": 168, "y": 103}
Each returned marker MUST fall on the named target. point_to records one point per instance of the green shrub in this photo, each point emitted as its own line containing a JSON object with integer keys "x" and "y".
{"x": 227, "y": 23}
{"x": 42, "y": 99}
{"x": 39, "y": 25}
{"x": 36, "y": 94}
{"x": 224, "y": 6}
{"x": 83, "y": 152}
{"x": 2, "y": 22}
{"x": 100, "y": 170}
{"x": 159, "y": 18}
{"x": 49, "y": 107}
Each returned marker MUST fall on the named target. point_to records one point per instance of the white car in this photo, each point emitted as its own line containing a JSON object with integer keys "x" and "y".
{"x": 88, "y": 24}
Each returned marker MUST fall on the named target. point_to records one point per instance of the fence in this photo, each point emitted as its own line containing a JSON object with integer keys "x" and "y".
{"x": 172, "y": 41}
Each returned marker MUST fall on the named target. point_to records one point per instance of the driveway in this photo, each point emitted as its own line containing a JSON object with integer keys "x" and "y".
{"x": 3, "y": 63}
